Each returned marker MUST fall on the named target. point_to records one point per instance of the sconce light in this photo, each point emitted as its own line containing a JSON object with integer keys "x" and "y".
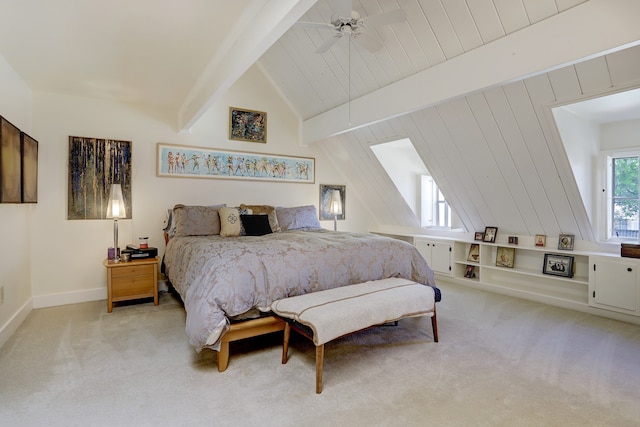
{"x": 335, "y": 207}
{"x": 115, "y": 210}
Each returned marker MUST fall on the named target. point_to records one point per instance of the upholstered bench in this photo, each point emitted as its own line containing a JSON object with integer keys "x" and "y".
{"x": 327, "y": 315}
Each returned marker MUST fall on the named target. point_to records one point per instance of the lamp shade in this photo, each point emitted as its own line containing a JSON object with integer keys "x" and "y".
{"x": 115, "y": 205}
{"x": 335, "y": 203}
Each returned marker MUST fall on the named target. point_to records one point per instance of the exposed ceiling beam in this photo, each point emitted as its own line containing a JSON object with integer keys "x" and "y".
{"x": 260, "y": 27}
{"x": 605, "y": 26}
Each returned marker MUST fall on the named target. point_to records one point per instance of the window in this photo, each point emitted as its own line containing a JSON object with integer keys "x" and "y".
{"x": 623, "y": 205}
{"x": 408, "y": 172}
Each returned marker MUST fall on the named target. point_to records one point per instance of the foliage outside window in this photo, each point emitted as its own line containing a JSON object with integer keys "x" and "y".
{"x": 624, "y": 202}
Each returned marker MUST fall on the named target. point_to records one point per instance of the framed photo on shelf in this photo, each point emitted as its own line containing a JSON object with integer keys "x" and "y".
{"x": 474, "y": 253}
{"x": 541, "y": 240}
{"x": 565, "y": 242}
{"x": 479, "y": 236}
{"x": 470, "y": 272}
{"x": 490, "y": 234}
{"x": 558, "y": 265}
{"x": 513, "y": 240}
{"x": 505, "y": 256}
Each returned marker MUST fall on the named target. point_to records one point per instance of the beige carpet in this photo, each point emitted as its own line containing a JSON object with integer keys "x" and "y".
{"x": 500, "y": 362}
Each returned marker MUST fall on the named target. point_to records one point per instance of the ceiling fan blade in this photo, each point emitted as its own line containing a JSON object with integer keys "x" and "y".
{"x": 316, "y": 25}
{"x": 327, "y": 44}
{"x": 386, "y": 18}
{"x": 368, "y": 41}
{"x": 343, "y": 8}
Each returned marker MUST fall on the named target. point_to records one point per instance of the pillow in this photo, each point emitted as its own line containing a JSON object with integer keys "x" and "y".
{"x": 195, "y": 220}
{"x": 256, "y": 225}
{"x": 230, "y": 223}
{"x": 265, "y": 209}
{"x": 297, "y": 217}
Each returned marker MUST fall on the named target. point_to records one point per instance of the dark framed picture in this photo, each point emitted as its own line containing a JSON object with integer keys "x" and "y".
{"x": 247, "y": 125}
{"x": 513, "y": 240}
{"x": 479, "y": 236}
{"x": 541, "y": 240}
{"x": 10, "y": 164}
{"x": 505, "y": 257}
{"x": 29, "y": 147}
{"x": 490, "y": 234}
{"x": 565, "y": 242}
{"x": 558, "y": 265}
{"x": 470, "y": 272}
{"x": 474, "y": 253}
{"x": 327, "y": 192}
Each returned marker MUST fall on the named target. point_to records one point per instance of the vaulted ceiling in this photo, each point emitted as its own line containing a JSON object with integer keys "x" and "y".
{"x": 469, "y": 81}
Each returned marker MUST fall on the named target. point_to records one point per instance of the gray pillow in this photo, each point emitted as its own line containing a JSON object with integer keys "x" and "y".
{"x": 298, "y": 217}
{"x": 196, "y": 220}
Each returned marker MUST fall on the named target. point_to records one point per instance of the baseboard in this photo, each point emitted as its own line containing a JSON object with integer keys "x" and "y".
{"x": 65, "y": 298}
{"x": 16, "y": 320}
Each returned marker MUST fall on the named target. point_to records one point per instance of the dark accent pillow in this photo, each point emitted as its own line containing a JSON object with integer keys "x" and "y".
{"x": 256, "y": 225}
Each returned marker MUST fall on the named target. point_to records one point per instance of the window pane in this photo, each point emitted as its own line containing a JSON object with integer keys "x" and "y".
{"x": 625, "y": 218}
{"x": 625, "y": 177}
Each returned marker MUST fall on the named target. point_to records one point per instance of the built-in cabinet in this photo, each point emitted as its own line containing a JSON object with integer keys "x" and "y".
{"x": 436, "y": 252}
{"x": 598, "y": 281}
{"x": 614, "y": 284}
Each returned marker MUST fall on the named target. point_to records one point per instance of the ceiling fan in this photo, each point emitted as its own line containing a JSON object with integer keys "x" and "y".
{"x": 347, "y": 22}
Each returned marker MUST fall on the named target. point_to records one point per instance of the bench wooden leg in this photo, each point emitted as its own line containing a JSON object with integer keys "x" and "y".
{"x": 319, "y": 364}
{"x": 434, "y": 325}
{"x": 285, "y": 343}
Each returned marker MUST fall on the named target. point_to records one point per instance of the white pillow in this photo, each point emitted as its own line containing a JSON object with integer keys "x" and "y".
{"x": 230, "y": 222}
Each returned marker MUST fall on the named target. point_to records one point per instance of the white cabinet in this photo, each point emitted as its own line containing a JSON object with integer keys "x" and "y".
{"x": 436, "y": 252}
{"x": 613, "y": 283}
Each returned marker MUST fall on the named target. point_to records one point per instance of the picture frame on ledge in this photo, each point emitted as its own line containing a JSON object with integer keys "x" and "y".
{"x": 474, "y": 253}
{"x": 490, "y": 234}
{"x": 565, "y": 242}
{"x": 479, "y": 236}
{"x": 558, "y": 265}
{"x": 505, "y": 257}
{"x": 541, "y": 240}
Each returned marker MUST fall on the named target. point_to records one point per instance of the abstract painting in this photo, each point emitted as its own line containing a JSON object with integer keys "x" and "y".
{"x": 95, "y": 164}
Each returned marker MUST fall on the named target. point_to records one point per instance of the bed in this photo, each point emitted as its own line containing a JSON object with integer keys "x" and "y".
{"x": 229, "y": 265}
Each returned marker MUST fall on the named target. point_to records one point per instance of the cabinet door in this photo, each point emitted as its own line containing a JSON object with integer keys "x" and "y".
{"x": 614, "y": 283}
{"x": 436, "y": 253}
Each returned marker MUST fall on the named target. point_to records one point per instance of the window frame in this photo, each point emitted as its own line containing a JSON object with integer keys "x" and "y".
{"x": 606, "y": 187}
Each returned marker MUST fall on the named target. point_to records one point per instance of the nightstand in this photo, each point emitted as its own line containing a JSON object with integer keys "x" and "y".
{"x": 131, "y": 280}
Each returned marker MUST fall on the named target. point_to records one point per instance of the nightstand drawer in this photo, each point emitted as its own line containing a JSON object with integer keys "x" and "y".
{"x": 133, "y": 270}
{"x": 132, "y": 285}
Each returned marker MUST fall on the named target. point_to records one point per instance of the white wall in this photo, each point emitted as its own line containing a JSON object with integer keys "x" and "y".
{"x": 620, "y": 135}
{"x": 67, "y": 255}
{"x": 15, "y": 106}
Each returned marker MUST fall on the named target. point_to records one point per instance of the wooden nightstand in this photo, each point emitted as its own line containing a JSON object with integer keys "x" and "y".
{"x": 131, "y": 280}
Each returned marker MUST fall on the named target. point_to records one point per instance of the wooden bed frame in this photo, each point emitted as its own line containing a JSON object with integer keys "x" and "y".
{"x": 241, "y": 330}
{"x": 246, "y": 329}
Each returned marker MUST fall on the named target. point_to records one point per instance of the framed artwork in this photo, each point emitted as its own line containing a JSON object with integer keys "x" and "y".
{"x": 29, "y": 153}
{"x": 505, "y": 257}
{"x": 565, "y": 242}
{"x": 180, "y": 161}
{"x": 247, "y": 125}
{"x": 10, "y": 163}
{"x": 479, "y": 236}
{"x": 470, "y": 272}
{"x": 513, "y": 240}
{"x": 558, "y": 265}
{"x": 541, "y": 240}
{"x": 490, "y": 234}
{"x": 474, "y": 253}
{"x": 325, "y": 200}
{"x": 95, "y": 164}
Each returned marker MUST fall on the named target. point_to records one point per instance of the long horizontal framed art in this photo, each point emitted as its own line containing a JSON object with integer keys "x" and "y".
{"x": 181, "y": 161}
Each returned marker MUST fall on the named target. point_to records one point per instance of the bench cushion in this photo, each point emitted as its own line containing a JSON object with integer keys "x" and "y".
{"x": 336, "y": 312}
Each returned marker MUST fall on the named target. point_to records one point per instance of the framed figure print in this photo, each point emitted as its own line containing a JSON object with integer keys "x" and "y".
{"x": 565, "y": 242}
{"x": 541, "y": 240}
{"x": 490, "y": 234}
{"x": 479, "y": 236}
{"x": 505, "y": 257}
{"x": 474, "y": 253}
{"x": 10, "y": 163}
{"x": 558, "y": 265}
{"x": 470, "y": 272}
